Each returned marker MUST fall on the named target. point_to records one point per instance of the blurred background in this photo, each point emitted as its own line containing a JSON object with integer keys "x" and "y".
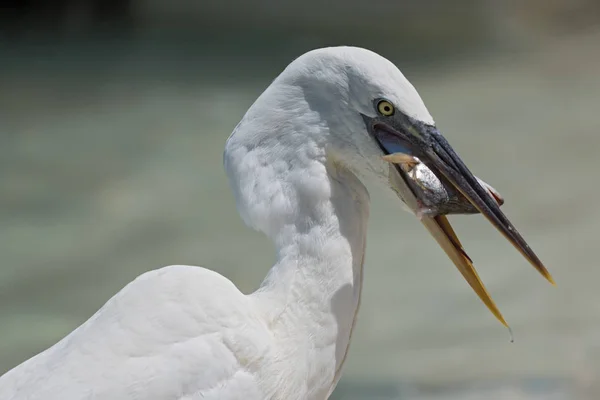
{"x": 113, "y": 119}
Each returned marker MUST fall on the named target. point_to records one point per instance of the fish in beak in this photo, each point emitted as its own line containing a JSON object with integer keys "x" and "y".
{"x": 434, "y": 197}
{"x": 451, "y": 189}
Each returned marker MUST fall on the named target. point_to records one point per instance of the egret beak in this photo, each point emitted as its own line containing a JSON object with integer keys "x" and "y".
{"x": 439, "y": 227}
{"x": 401, "y": 134}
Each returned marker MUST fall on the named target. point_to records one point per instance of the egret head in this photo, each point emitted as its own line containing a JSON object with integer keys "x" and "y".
{"x": 356, "y": 107}
{"x": 347, "y": 89}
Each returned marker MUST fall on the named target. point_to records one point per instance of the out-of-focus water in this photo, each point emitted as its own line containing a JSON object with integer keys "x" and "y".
{"x": 110, "y": 169}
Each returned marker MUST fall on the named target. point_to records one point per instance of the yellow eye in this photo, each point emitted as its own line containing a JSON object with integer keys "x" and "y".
{"x": 385, "y": 108}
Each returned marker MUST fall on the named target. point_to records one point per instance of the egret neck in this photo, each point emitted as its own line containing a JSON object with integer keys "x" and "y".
{"x": 317, "y": 280}
{"x": 315, "y": 210}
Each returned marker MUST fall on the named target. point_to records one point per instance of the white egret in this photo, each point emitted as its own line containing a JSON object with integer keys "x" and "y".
{"x": 296, "y": 163}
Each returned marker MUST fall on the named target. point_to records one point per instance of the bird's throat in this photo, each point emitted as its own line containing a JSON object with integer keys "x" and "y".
{"x": 317, "y": 280}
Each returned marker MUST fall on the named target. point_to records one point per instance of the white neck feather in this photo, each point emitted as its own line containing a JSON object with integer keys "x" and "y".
{"x": 315, "y": 210}
{"x": 313, "y": 291}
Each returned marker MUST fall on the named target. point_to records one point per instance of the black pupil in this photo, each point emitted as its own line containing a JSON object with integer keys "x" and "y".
{"x": 386, "y": 108}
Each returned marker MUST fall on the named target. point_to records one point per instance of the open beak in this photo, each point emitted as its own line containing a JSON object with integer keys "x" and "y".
{"x": 402, "y": 134}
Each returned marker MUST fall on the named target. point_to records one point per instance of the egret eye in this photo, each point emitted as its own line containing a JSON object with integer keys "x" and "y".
{"x": 385, "y": 108}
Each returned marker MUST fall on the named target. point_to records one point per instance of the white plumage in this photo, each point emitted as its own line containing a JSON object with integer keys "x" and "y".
{"x": 295, "y": 163}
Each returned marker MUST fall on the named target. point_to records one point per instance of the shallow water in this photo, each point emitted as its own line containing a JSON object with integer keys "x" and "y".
{"x": 109, "y": 169}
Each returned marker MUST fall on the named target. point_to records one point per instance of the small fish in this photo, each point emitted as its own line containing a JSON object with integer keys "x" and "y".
{"x": 435, "y": 197}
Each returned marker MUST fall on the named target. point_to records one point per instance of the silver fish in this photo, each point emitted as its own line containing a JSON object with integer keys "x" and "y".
{"x": 433, "y": 196}
{"x": 440, "y": 199}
